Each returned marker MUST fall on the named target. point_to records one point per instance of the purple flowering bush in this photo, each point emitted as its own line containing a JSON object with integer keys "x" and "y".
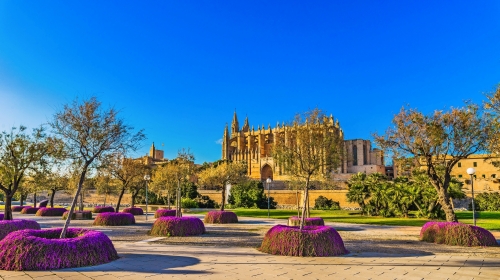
{"x": 44, "y": 250}
{"x": 164, "y": 213}
{"x": 451, "y": 233}
{"x": 220, "y": 217}
{"x": 9, "y": 226}
{"x": 134, "y": 211}
{"x": 30, "y": 210}
{"x": 78, "y": 215}
{"x": 46, "y": 211}
{"x": 314, "y": 221}
{"x": 114, "y": 219}
{"x": 103, "y": 209}
{"x": 312, "y": 241}
{"x": 1, "y": 216}
{"x": 175, "y": 226}
{"x": 18, "y": 208}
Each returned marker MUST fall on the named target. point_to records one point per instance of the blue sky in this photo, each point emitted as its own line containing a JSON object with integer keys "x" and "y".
{"x": 179, "y": 69}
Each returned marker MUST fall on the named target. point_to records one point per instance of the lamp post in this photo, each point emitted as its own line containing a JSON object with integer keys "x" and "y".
{"x": 147, "y": 178}
{"x": 268, "y": 181}
{"x": 471, "y": 172}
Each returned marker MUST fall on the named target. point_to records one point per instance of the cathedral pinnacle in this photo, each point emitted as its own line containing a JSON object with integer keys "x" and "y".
{"x": 235, "y": 126}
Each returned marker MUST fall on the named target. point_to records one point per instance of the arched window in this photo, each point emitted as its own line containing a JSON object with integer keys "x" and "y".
{"x": 354, "y": 154}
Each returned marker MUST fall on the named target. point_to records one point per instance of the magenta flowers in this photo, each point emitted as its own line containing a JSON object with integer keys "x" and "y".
{"x": 44, "y": 250}
{"x": 134, "y": 211}
{"x": 114, "y": 219}
{"x": 220, "y": 217}
{"x": 312, "y": 241}
{"x": 30, "y": 210}
{"x": 7, "y": 227}
{"x": 45, "y": 211}
{"x": 314, "y": 221}
{"x": 451, "y": 233}
{"x": 78, "y": 215}
{"x": 18, "y": 208}
{"x": 174, "y": 226}
{"x": 164, "y": 213}
{"x": 103, "y": 209}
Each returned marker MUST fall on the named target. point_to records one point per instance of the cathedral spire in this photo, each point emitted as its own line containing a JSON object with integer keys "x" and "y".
{"x": 152, "y": 150}
{"x": 246, "y": 126}
{"x": 235, "y": 126}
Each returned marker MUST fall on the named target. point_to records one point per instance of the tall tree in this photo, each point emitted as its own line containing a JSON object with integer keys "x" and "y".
{"x": 221, "y": 175}
{"x": 20, "y": 153}
{"x": 311, "y": 147}
{"x": 438, "y": 141}
{"x": 165, "y": 179}
{"x": 128, "y": 172}
{"x": 90, "y": 133}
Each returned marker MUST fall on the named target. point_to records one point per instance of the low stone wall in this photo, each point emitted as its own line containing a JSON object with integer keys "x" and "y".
{"x": 288, "y": 198}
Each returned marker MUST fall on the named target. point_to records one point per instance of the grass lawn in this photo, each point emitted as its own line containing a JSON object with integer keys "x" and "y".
{"x": 487, "y": 220}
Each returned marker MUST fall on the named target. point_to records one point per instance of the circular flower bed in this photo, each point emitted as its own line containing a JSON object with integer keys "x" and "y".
{"x": 44, "y": 250}
{"x": 451, "y": 233}
{"x": 50, "y": 212}
{"x": 78, "y": 215}
{"x": 314, "y": 221}
{"x": 114, "y": 219}
{"x": 312, "y": 241}
{"x": 18, "y": 208}
{"x": 220, "y": 217}
{"x": 175, "y": 226}
{"x": 30, "y": 210}
{"x": 134, "y": 211}
{"x": 103, "y": 209}
{"x": 9, "y": 226}
{"x": 164, "y": 213}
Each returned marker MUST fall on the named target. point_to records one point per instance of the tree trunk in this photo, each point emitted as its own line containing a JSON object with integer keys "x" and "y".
{"x": 168, "y": 200}
{"x": 81, "y": 201}
{"x": 21, "y": 200}
{"x": 298, "y": 206}
{"x": 444, "y": 201}
{"x": 73, "y": 204}
{"x": 178, "y": 211}
{"x": 34, "y": 200}
{"x": 8, "y": 207}
{"x": 119, "y": 200}
{"x": 223, "y": 203}
{"x": 134, "y": 196}
{"x": 105, "y": 200}
{"x": 306, "y": 198}
{"x": 52, "y": 198}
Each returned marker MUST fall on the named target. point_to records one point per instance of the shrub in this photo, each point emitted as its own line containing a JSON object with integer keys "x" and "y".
{"x": 204, "y": 201}
{"x": 44, "y": 250}
{"x": 50, "y": 211}
{"x": 18, "y": 208}
{"x": 312, "y": 241}
{"x": 221, "y": 217}
{"x": 9, "y": 226}
{"x": 177, "y": 226}
{"x": 487, "y": 202}
{"x": 314, "y": 221}
{"x": 134, "y": 211}
{"x": 78, "y": 215}
{"x": 114, "y": 219}
{"x": 250, "y": 194}
{"x": 164, "y": 213}
{"x": 30, "y": 210}
{"x": 188, "y": 203}
{"x": 103, "y": 209}
{"x": 323, "y": 203}
{"x": 451, "y": 233}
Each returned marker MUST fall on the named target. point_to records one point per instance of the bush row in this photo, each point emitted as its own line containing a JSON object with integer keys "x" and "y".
{"x": 114, "y": 219}
{"x": 177, "y": 226}
{"x": 7, "y": 227}
{"x": 451, "y": 233}
{"x": 220, "y": 217}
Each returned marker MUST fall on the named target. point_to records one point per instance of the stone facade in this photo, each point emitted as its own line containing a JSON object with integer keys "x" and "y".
{"x": 255, "y": 147}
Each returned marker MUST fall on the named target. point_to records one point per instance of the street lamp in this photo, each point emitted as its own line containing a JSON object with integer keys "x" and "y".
{"x": 147, "y": 178}
{"x": 471, "y": 172}
{"x": 268, "y": 181}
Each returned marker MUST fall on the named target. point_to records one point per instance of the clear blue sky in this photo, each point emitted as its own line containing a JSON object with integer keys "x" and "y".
{"x": 179, "y": 69}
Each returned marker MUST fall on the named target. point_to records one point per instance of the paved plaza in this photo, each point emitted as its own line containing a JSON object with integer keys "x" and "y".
{"x": 148, "y": 259}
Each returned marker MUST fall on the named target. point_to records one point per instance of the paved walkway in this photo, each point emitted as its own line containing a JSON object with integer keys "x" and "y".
{"x": 144, "y": 260}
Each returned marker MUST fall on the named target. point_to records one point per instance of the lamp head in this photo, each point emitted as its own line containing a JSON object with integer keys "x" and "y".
{"x": 147, "y": 177}
{"x": 471, "y": 171}
{"x": 269, "y": 180}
